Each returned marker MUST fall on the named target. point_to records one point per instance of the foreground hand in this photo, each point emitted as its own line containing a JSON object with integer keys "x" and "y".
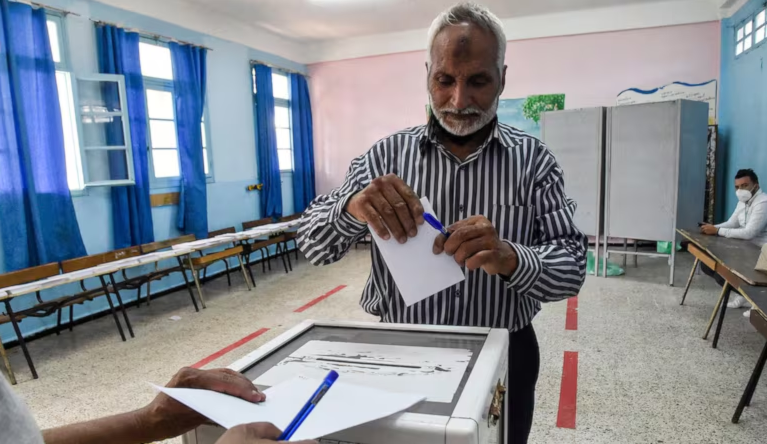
{"x": 256, "y": 433}
{"x": 709, "y": 229}
{"x": 474, "y": 243}
{"x": 170, "y": 418}
{"x": 388, "y": 205}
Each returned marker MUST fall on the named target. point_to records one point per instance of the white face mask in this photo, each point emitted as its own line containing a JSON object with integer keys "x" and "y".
{"x": 743, "y": 195}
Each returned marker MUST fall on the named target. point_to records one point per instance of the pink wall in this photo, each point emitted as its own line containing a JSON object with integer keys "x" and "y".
{"x": 358, "y": 101}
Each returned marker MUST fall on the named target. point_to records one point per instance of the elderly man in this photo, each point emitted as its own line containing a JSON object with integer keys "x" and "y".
{"x": 748, "y": 222}
{"x": 500, "y": 190}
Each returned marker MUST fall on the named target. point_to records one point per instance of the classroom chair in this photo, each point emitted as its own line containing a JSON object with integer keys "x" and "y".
{"x": 135, "y": 283}
{"x": 199, "y": 265}
{"x": 262, "y": 244}
{"x": 41, "y": 309}
{"x": 291, "y": 234}
{"x": 106, "y": 289}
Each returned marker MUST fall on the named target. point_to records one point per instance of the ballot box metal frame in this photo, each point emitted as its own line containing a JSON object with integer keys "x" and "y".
{"x": 465, "y": 420}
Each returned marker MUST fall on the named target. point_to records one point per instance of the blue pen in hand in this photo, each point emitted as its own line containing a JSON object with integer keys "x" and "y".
{"x": 431, "y": 220}
{"x": 309, "y": 406}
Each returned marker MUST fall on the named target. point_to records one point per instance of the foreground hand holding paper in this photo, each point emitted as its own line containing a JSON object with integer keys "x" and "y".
{"x": 417, "y": 271}
{"x": 344, "y": 406}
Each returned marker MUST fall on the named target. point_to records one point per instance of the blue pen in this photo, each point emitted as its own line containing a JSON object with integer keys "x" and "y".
{"x": 309, "y": 406}
{"x": 431, "y": 220}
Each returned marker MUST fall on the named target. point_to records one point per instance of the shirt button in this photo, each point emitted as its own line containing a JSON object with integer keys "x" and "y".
{"x": 460, "y": 208}
{"x": 458, "y": 293}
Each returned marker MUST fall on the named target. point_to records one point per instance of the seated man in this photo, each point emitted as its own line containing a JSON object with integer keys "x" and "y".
{"x": 163, "y": 418}
{"x": 748, "y": 222}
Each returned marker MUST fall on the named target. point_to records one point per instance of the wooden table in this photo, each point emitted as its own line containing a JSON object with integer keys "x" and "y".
{"x": 733, "y": 260}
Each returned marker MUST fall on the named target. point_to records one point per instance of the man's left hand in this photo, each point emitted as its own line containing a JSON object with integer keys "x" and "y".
{"x": 170, "y": 418}
{"x": 709, "y": 230}
{"x": 474, "y": 243}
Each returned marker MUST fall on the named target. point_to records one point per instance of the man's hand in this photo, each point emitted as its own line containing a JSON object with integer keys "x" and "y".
{"x": 388, "y": 205}
{"x": 256, "y": 433}
{"x": 171, "y": 418}
{"x": 709, "y": 229}
{"x": 473, "y": 242}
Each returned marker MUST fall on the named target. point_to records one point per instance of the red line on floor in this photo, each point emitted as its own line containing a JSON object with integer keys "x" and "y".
{"x": 230, "y": 347}
{"x": 319, "y": 299}
{"x": 568, "y": 393}
{"x": 571, "y": 319}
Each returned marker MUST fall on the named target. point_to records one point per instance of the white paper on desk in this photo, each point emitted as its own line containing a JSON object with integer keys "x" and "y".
{"x": 343, "y": 406}
{"x": 417, "y": 271}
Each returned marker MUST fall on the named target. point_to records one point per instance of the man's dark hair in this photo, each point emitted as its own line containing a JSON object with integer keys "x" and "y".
{"x": 747, "y": 173}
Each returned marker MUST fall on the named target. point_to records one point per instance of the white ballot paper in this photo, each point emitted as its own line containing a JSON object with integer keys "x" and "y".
{"x": 343, "y": 406}
{"x": 416, "y": 270}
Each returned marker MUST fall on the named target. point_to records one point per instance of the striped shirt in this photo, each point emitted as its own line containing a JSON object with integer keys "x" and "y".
{"x": 513, "y": 179}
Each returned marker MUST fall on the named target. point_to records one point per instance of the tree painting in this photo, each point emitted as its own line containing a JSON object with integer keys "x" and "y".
{"x": 535, "y": 105}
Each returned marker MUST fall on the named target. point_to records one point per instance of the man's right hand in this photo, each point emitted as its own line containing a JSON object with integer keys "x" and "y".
{"x": 255, "y": 433}
{"x": 388, "y": 205}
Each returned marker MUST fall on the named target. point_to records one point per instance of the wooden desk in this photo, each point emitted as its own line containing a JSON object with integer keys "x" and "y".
{"x": 738, "y": 255}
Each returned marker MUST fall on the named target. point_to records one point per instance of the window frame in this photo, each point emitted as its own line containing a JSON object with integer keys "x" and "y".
{"x": 64, "y": 66}
{"x": 127, "y": 147}
{"x": 167, "y": 85}
{"x": 750, "y": 37}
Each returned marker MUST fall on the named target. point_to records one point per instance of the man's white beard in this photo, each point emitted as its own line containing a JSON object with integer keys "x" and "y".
{"x": 468, "y": 127}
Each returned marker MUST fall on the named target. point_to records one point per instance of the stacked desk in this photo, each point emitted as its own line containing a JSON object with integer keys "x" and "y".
{"x": 177, "y": 251}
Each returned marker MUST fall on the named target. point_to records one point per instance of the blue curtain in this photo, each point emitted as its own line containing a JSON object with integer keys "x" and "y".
{"x": 266, "y": 147}
{"x": 189, "y": 81}
{"x": 131, "y": 210}
{"x": 37, "y": 218}
{"x": 303, "y": 143}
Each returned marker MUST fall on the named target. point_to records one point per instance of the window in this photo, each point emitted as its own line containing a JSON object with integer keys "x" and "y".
{"x": 94, "y": 125}
{"x": 282, "y": 124}
{"x": 66, "y": 102}
{"x": 750, "y": 33}
{"x": 759, "y": 24}
{"x": 157, "y": 69}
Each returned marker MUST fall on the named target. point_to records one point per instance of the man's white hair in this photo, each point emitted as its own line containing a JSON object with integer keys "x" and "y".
{"x": 468, "y": 13}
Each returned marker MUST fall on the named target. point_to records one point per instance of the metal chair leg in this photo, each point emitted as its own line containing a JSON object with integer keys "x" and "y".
{"x": 186, "y": 281}
{"x": 196, "y": 278}
{"x": 7, "y": 363}
{"x": 71, "y": 317}
{"x": 112, "y": 307}
{"x": 282, "y": 255}
{"x": 245, "y": 274}
{"x": 58, "y": 322}
{"x": 20, "y": 337}
{"x": 246, "y": 262}
{"x": 122, "y": 306}
{"x": 722, "y": 311}
{"x": 689, "y": 280}
{"x": 287, "y": 256}
{"x": 745, "y": 400}
{"x": 228, "y": 278}
{"x": 725, "y": 289}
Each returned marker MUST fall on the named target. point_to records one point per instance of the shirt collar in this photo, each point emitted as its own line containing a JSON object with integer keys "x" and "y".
{"x": 429, "y": 135}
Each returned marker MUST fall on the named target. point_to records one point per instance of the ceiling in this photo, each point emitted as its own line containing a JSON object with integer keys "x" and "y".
{"x": 318, "y": 20}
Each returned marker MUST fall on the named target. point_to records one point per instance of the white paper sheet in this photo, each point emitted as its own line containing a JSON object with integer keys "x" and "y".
{"x": 343, "y": 406}
{"x": 432, "y": 371}
{"x": 417, "y": 271}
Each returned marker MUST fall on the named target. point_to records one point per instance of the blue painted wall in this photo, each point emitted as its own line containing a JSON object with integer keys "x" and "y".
{"x": 232, "y": 134}
{"x": 742, "y": 108}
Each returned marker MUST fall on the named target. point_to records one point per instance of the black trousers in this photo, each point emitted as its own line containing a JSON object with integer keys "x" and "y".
{"x": 709, "y": 272}
{"x": 524, "y": 365}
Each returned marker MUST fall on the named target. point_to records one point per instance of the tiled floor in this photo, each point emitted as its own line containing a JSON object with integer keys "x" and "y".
{"x": 644, "y": 374}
